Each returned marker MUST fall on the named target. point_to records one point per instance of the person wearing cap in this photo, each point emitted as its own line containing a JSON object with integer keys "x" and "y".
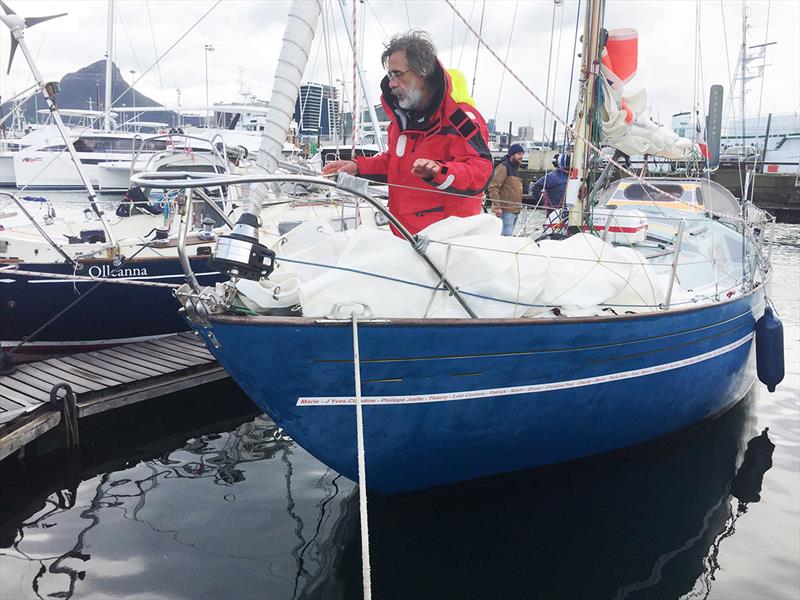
{"x": 549, "y": 189}
{"x": 505, "y": 189}
{"x": 438, "y": 161}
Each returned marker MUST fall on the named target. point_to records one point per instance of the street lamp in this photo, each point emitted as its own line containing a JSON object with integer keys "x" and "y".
{"x": 207, "y": 48}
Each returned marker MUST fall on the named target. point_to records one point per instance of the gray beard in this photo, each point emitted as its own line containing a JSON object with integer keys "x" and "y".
{"x": 412, "y": 99}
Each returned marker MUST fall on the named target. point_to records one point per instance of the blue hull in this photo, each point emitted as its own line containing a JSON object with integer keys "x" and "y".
{"x": 453, "y": 400}
{"x": 110, "y": 314}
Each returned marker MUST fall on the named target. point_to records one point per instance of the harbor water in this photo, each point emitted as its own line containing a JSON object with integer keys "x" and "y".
{"x": 199, "y": 496}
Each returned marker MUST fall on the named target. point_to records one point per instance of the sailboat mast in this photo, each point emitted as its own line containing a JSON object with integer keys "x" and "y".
{"x": 109, "y": 63}
{"x": 373, "y": 116}
{"x": 584, "y": 111}
{"x": 48, "y": 90}
{"x": 743, "y": 70}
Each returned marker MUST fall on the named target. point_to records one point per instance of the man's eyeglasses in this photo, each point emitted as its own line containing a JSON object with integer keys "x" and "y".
{"x": 396, "y": 74}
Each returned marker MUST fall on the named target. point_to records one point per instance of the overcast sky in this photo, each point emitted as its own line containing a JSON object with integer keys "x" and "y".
{"x": 247, "y": 35}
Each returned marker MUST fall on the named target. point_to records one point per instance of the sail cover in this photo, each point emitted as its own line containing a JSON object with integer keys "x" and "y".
{"x": 500, "y": 276}
{"x": 626, "y": 121}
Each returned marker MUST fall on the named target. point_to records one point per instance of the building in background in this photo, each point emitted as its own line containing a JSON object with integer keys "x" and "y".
{"x": 317, "y": 111}
{"x": 525, "y": 132}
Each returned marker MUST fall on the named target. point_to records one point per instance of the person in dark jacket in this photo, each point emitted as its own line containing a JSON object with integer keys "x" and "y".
{"x": 549, "y": 189}
{"x": 438, "y": 162}
{"x": 505, "y": 190}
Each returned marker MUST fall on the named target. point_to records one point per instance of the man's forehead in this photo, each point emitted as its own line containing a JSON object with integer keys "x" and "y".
{"x": 397, "y": 60}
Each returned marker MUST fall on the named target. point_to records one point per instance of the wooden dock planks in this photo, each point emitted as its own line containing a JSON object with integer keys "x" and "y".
{"x": 102, "y": 380}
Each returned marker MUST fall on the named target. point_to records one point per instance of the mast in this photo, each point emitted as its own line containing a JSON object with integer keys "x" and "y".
{"x": 584, "y": 111}
{"x": 17, "y": 26}
{"x": 373, "y": 116}
{"x": 743, "y": 71}
{"x": 109, "y": 62}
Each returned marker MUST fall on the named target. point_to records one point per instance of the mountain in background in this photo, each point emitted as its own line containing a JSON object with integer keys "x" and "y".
{"x": 86, "y": 87}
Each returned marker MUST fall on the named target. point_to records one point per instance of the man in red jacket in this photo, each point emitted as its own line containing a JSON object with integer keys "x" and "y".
{"x": 438, "y": 162}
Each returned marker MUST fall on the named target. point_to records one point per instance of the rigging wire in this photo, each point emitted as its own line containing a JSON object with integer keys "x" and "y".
{"x": 558, "y": 62}
{"x": 134, "y": 82}
{"x": 477, "y": 52}
{"x": 731, "y": 114}
{"x": 466, "y": 31}
{"x": 761, "y": 90}
{"x": 356, "y": 119}
{"x": 453, "y": 37}
{"x": 568, "y": 129}
{"x": 508, "y": 51}
{"x": 155, "y": 47}
{"x": 326, "y": 42}
{"x": 168, "y": 50}
{"x": 698, "y": 87}
{"x": 377, "y": 19}
{"x": 549, "y": 65}
{"x": 696, "y": 59}
{"x": 133, "y": 50}
{"x": 571, "y": 79}
{"x": 329, "y": 67}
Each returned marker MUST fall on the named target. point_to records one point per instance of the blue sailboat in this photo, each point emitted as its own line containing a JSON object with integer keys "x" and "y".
{"x": 449, "y": 399}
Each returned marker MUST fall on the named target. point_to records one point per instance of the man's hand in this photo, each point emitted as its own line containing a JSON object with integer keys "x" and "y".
{"x": 340, "y": 166}
{"x": 425, "y": 168}
{"x": 498, "y": 212}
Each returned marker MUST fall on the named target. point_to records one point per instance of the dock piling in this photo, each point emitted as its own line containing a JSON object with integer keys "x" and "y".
{"x": 62, "y": 398}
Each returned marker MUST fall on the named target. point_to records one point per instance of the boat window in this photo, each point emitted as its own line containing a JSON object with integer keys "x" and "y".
{"x": 104, "y": 145}
{"x": 189, "y": 168}
{"x": 698, "y": 195}
{"x": 56, "y": 148}
{"x": 640, "y": 192}
{"x": 152, "y": 145}
{"x": 84, "y": 144}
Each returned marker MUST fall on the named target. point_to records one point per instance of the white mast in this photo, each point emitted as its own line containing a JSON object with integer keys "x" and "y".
{"x": 109, "y": 62}
{"x": 743, "y": 69}
{"x": 17, "y": 25}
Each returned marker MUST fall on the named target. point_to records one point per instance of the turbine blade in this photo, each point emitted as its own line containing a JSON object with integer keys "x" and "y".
{"x": 14, "y": 45}
{"x": 6, "y": 8}
{"x": 31, "y": 21}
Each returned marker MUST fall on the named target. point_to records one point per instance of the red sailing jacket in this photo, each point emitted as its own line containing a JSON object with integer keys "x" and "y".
{"x": 451, "y": 133}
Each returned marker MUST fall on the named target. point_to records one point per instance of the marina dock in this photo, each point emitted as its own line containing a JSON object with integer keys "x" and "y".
{"x": 34, "y": 399}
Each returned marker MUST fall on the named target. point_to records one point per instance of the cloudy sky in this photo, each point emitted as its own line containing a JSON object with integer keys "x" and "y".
{"x": 246, "y": 36}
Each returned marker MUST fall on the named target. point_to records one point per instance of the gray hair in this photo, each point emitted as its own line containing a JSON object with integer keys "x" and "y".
{"x": 419, "y": 49}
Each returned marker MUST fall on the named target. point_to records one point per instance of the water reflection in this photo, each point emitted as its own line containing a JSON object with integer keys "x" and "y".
{"x": 746, "y": 486}
{"x": 240, "y": 511}
{"x": 646, "y": 525}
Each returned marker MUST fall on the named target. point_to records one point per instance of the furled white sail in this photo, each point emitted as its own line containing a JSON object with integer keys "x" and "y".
{"x": 625, "y": 119}
{"x": 300, "y": 27}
